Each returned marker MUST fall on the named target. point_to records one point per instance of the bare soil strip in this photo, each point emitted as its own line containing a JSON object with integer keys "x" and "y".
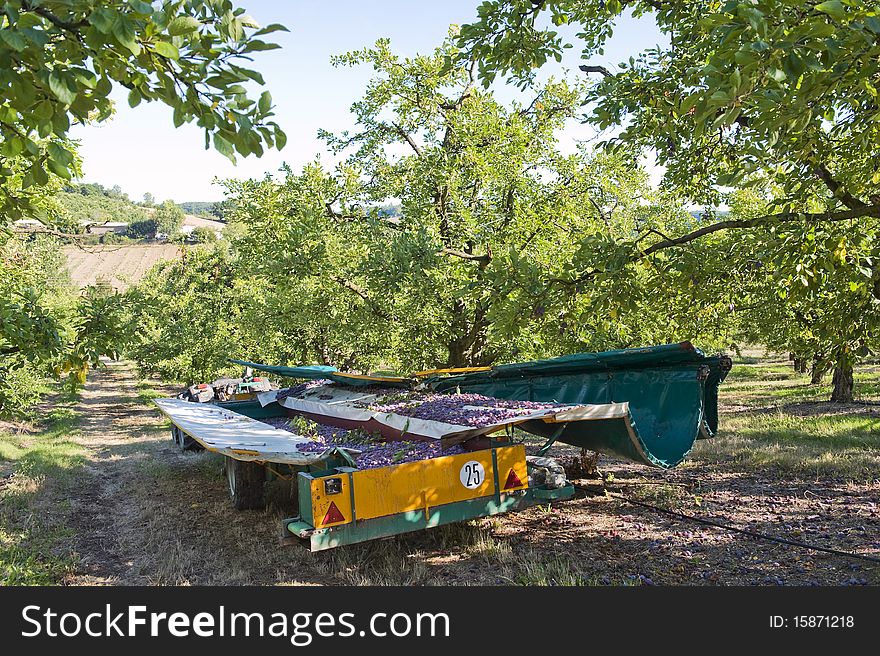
{"x": 121, "y": 266}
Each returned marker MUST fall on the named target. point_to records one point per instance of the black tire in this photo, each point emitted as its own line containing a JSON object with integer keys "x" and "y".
{"x": 246, "y": 483}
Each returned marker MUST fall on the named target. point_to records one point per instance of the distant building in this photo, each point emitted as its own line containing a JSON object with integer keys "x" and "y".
{"x": 117, "y": 227}
{"x": 191, "y": 222}
{"x": 27, "y": 224}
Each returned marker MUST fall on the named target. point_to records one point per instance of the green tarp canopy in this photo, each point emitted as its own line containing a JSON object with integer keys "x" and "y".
{"x": 320, "y": 372}
{"x": 310, "y": 372}
{"x": 671, "y": 389}
{"x": 672, "y": 392}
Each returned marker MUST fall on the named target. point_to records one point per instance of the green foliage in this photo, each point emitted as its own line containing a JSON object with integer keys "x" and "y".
{"x": 87, "y": 204}
{"x": 474, "y": 266}
{"x": 186, "y": 314}
{"x": 111, "y": 238}
{"x": 142, "y": 229}
{"x": 199, "y": 208}
{"x": 46, "y": 328}
{"x": 771, "y": 95}
{"x": 203, "y": 235}
{"x": 744, "y": 88}
{"x": 168, "y": 218}
{"x": 21, "y": 386}
{"x": 59, "y": 62}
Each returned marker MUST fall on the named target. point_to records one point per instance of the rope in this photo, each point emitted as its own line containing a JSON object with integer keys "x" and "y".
{"x": 727, "y": 527}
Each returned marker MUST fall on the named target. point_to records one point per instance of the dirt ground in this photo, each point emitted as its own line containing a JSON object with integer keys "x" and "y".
{"x": 141, "y": 512}
{"x": 119, "y": 265}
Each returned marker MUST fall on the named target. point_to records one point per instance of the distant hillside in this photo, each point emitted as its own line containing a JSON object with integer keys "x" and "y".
{"x": 208, "y": 210}
{"x": 93, "y": 203}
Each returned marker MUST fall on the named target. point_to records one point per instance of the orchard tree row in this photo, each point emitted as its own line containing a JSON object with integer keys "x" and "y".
{"x": 505, "y": 248}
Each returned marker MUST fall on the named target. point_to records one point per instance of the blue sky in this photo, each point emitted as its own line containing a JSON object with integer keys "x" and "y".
{"x": 141, "y": 151}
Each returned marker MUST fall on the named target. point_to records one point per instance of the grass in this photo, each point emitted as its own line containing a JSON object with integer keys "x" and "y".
{"x": 32, "y": 461}
{"x": 531, "y": 567}
{"x": 811, "y": 438}
{"x": 146, "y": 392}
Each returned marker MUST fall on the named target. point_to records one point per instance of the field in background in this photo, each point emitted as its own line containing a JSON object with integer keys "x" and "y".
{"x": 121, "y": 266}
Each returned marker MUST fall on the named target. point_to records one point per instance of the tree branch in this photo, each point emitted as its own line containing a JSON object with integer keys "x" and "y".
{"x": 52, "y": 18}
{"x": 596, "y": 69}
{"x": 412, "y": 144}
{"x": 45, "y": 231}
{"x": 362, "y": 293}
{"x": 843, "y": 196}
{"x": 785, "y": 217}
{"x": 465, "y": 256}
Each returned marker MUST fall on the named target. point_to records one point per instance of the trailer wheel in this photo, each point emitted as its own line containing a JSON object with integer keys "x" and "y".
{"x": 245, "y": 481}
{"x": 184, "y": 441}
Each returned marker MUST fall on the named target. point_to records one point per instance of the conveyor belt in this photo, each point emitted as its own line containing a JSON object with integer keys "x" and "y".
{"x": 237, "y": 436}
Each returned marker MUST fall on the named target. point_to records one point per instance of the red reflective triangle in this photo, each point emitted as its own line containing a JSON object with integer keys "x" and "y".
{"x": 512, "y": 481}
{"x": 333, "y": 515}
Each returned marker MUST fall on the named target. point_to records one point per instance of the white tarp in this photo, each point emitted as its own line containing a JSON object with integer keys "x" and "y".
{"x": 235, "y": 435}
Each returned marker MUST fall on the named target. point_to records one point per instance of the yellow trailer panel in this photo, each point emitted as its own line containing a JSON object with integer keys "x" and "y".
{"x": 424, "y": 484}
{"x": 331, "y": 507}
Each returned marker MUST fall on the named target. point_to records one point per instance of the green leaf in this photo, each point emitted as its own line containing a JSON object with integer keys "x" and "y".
{"x": 125, "y": 34}
{"x": 729, "y": 116}
{"x": 60, "y": 122}
{"x": 778, "y": 75}
{"x": 43, "y": 110}
{"x": 134, "y": 98}
{"x": 274, "y": 27}
{"x": 265, "y": 102}
{"x": 744, "y": 57}
{"x": 103, "y": 20}
{"x": 248, "y": 21}
{"x": 166, "y": 49}
{"x": 38, "y": 173}
{"x": 62, "y": 155}
{"x": 141, "y": 7}
{"x": 833, "y": 8}
{"x": 256, "y": 45}
{"x": 59, "y": 87}
{"x": 222, "y": 145}
{"x": 280, "y": 138}
{"x": 14, "y": 39}
{"x": 183, "y": 25}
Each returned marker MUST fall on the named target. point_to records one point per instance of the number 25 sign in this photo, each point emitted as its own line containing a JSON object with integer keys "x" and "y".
{"x": 472, "y": 474}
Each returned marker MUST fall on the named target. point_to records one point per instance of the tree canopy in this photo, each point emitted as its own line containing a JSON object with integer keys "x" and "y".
{"x": 60, "y": 60}
{"x": 473, "y": 268}
{"x": 776, "y": 95}
{"x": 743, "y": 91}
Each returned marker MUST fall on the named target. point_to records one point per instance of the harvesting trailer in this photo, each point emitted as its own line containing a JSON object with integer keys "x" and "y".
{"x": 646, "y": 405}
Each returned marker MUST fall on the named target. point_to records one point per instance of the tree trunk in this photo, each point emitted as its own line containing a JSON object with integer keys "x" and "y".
{"x": 843, "y": 384}
{"x": 819, "y": 369}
